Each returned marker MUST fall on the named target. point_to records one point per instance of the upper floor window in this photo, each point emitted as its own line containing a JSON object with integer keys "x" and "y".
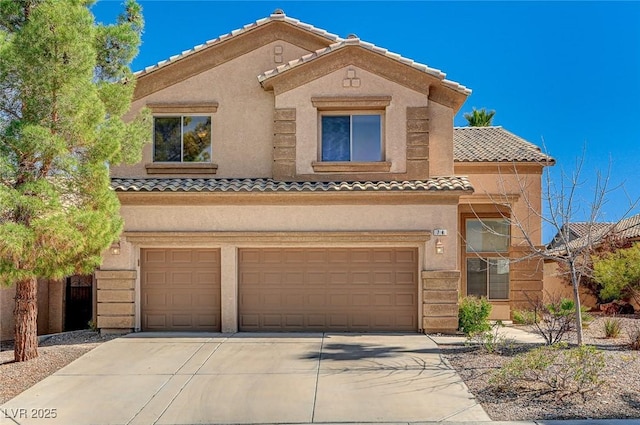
{"x": 185, "y": 138}
{"x": 353, "y": 137}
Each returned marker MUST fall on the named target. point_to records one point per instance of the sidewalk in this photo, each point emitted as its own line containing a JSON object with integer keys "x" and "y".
{"x": 509, "y": 332}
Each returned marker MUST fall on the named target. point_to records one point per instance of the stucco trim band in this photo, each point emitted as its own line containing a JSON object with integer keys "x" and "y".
{"x": 183, "y": 108}
{"x": 330, "y": 103}
{"x": 351, "y": 167}
{"x": 257, "y": 238}
{"x": 181, "y": 168}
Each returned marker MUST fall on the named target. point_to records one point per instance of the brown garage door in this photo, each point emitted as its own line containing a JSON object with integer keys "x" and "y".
{"x": 363, "y": 289}
{"x": 180, "y": 289}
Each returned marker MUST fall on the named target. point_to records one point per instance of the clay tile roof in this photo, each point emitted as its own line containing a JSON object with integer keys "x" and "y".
{"x": 627, "y": 229}
{"x": 582, "y": 228}
{"x": 274, "y": 17}
{"x": 270, "y": 185}
{"x": 352, "y": 41}
{"x": 494, "y": 144}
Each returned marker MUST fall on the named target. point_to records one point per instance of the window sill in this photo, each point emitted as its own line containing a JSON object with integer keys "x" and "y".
{"x": 181, "y": 168}
{"x": 351, "y": 167}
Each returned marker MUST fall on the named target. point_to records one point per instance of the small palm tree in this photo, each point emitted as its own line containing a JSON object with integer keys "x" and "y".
{"x": 479, "y": 117}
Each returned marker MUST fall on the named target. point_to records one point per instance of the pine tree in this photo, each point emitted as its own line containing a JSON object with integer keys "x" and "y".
{"x": 65, "y": 84}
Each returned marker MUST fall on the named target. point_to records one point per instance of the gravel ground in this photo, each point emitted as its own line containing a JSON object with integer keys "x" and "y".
{"x": 56, "y": 352}
{"x": 618, "y": 398}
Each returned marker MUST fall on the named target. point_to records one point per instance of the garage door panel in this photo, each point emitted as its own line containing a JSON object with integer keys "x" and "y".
{"x": 383, "y": 256}
{"x": 406, "y": 256}
{"x": 328, "y": 289}
{"x": 154, "y": 256}
{"x": 384, "y": 278}
{"x": 181, "y": 257}
{"x": 181, "y": 293}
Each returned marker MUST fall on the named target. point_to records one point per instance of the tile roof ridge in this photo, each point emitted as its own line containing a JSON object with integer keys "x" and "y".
{"x": 356, "y": 41}
{"x": 274, "y": 17}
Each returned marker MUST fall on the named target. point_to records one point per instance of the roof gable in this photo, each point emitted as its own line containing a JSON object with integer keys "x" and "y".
{"x": 352, "y": 51}
{"x": 230, "y": 46}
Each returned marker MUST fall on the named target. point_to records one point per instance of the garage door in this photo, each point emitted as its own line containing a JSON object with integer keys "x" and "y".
{"x": 363, "y": 289}
{"x": 180, "y": 289}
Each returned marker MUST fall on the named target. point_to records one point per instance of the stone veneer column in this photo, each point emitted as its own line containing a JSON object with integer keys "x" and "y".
{"x": 440, "y": 301}
{"x": 418, "y": 142}
{"x": 116, "y": 300}
{"x": 284, "y": 144}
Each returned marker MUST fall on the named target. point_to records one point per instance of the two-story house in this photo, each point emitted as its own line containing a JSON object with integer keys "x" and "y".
{"x": 300, "y": 181}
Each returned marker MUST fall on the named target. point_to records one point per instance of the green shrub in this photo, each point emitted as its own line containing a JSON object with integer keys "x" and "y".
{"x": 557, "y": 317}
{"x": 612, "y": 328}
{"x": 554, "y": 369}
{"x": 524, "y": 317}
{"x": 493, "y": 341}
{"x": 473, "y": 315}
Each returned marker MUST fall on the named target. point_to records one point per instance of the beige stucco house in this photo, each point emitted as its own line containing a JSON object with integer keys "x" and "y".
{"x": 297, "y": 180}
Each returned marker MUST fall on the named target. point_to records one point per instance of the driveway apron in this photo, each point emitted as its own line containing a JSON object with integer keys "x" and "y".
{"x": 244, "y": 378}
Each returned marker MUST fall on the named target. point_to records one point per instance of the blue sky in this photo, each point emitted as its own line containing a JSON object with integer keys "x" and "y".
{"x": 566, "y": 74}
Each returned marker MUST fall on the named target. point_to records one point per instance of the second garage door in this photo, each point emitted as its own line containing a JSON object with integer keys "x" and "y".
{"x": 328, "y": 289}
{"x": 180, "y": 289}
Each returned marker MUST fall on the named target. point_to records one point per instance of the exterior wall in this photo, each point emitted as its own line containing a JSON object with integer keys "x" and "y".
{"x": 555, "y": 286}
{"x": 7, "y": 303}
{"x": 50, "y": 309}
{"x": 415, "y": 130}
{"x": 520, "y": 190}
{"x": 230, "y": 227}
{"x": 242, "y": 126}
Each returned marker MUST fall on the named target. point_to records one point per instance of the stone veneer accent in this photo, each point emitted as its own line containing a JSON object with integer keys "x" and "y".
{"x": 417, "y": 142}
{"x": 440, "y": 301}
{"x": 284, "y": 144}
{"x": 116, "y": 300}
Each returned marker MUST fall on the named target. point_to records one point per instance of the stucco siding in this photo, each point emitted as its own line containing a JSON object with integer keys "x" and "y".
{"x": 332, "y": 84}
{"x": 242, "y": 126}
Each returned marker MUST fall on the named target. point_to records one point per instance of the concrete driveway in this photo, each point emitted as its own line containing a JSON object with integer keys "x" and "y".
{"x": 252, "y": 378}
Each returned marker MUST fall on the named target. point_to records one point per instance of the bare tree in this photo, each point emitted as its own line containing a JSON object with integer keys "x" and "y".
{"x": 562, "y": 206}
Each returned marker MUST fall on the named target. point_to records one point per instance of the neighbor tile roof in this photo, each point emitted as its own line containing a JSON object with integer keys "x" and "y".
{"x": 273, "y": 17}
{"x": 628, "y": 229}
{"x": 494, "y": 144}
{"x": 270, "y": 185}
{"x": 353, "y": 41}
{"x": 582, "y": 228}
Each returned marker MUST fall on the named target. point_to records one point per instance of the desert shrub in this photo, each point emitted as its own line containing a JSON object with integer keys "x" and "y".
{"x": 556, "y": 318}
{"x": 524, "y": 317}
{"x": 612, "y": 327}
{"x": 554, "y": 368}
{"x": 633, "y": 331}
{"x": 473, "y": 315}
{"x": 493, "y": 341}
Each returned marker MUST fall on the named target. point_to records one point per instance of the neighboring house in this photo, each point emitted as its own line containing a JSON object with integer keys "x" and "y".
{"x": 573, "y": 231}
{"x": 579, "y": 234}
{"x": 298, "y": 181}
